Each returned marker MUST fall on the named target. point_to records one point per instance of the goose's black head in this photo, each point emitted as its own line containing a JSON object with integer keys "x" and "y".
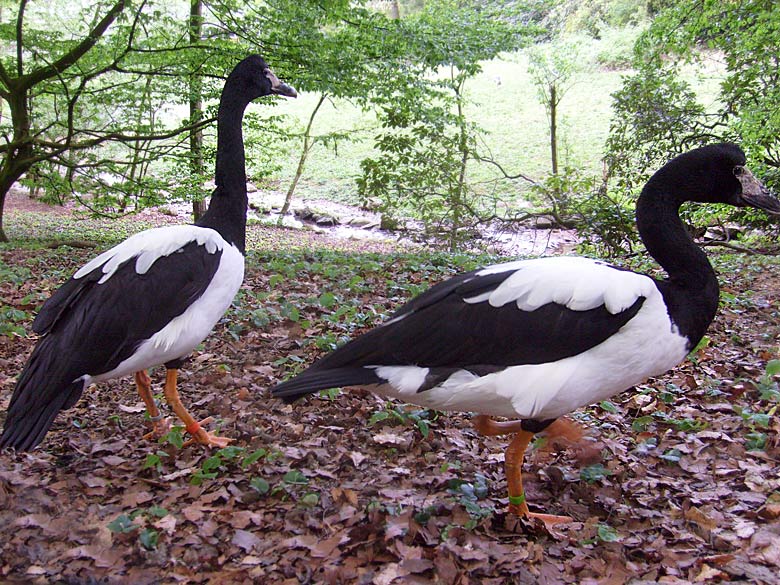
{"x": 713, "y": 174}
{"x": 252, "y": 78}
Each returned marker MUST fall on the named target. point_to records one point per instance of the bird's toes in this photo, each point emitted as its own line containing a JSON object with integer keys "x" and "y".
{"x": 160, "y": 428}
{"x": 203, "y": 437}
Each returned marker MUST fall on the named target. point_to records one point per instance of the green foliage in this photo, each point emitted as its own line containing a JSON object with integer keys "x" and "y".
{"x": 469, "y": 494}
{"x": 671, "y": 456}
{"x": 758, "y": 419}
{"x": 155, "y": 460}
{"x": 95, "y": 121}
{"x": 149, "y": 538}
{"x": 223, "y": 460}
{"x": 658, "y": 115}
{"x": 12, "y": 321}
{"x": 615, "y": 51}
{"x": 102, "y": 129}
{"x": 422, "y": 164}
{"x": 553, "y": 68}
{"x": 122, "y": 524}
{"x": 260, "y": 485}
{"x": 594, "y": 473}
{"x": 607, "y": 533}
{"x": 428, "y": 141}
{"x": 595, "y": 16}
{"x": 125, "y": 524}
{"x": 295, "y": 477}
{"x": 395, "y": 414}
{"x": 604, "y": 220}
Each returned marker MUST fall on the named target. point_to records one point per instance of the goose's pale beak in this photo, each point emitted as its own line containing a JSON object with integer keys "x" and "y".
{"x": 279, "y": 87}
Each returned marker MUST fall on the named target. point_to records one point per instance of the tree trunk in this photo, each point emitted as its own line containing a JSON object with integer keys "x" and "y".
{"x": 137, "y": 170}
{"x": 8, "y": 176}
{"x": 3, "y": 237}
{"x": 554, "y": 129}
{"x": 196, "y": 109}
{"x": 395, "y": 10}
{"x": 17, "y": 160}
{"x": 307, "y": 144}
{"x": 460, "y": 189}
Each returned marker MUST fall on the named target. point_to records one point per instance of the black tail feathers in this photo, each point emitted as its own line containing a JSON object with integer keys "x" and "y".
{"x": 40, "y": 393}
{"x": 313, "y": 380}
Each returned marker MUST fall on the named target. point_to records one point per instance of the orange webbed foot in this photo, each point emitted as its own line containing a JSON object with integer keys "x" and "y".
{"x": 204, "y": 437}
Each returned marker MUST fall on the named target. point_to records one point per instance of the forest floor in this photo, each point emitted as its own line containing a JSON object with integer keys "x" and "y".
{"x": 676, "y": 481}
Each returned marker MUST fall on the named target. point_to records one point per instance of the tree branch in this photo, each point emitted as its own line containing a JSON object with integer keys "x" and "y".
{"x": 729, "y": 245}
{"x": 19, "y": 40}
{"x": 503, "y": 172}
{"x": 74, "y": 54}
{"x": 56, "y": 148}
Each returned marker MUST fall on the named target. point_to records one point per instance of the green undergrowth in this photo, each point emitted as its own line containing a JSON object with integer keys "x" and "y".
{"x": 31, "y": 229}
{"x": 331, "y": 294}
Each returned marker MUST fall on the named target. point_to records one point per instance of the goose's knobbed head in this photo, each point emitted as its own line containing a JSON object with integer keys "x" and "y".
{"x": 254, "y": 79}
{"x": 713, "y": 174}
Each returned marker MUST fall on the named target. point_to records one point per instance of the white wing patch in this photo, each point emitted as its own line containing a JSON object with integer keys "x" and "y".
{"x": 405, "y": 379}
{"x": 150, "y": 245}
{"x": 578, "y": 283}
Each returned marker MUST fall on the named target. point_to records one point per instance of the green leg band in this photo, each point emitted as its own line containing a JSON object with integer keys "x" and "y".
{"x": 517, "y": 500}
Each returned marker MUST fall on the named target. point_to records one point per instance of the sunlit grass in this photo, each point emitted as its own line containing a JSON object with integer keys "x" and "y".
{"x": 502, "y": 101}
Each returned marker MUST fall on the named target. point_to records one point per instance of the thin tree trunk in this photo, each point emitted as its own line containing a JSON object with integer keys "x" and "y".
{"x": 32, "y": 175}
{"x": 307, "y": 144}
{"x": 136, "y": 169}
{"x": 395, "y": 10}
{"x": 459, "y": 195}
{"x": 554, "y": 129}
{"x": 196, "y": 109}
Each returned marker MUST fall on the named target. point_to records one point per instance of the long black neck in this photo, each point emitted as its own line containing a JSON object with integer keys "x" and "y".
{"x": 691, "y": 291}
{"x": 227, "y": 211}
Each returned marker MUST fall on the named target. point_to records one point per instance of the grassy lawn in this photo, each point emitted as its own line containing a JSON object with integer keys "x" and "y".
{"x": 502, "y": 101}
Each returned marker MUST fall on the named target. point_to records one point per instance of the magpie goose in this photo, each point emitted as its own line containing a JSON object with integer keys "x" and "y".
{"x": 149, "y": 300}
{"x": 536, "y": 339}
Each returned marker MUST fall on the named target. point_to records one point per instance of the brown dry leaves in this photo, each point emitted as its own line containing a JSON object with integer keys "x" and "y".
{"x": 676, "y": 495}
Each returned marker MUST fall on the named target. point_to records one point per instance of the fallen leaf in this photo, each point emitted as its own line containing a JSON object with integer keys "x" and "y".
{"x": 245, "y": 540}
{"x": 357, "y": 458}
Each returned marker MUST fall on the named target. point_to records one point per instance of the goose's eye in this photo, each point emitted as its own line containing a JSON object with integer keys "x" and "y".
{"x": 738, "y": 171}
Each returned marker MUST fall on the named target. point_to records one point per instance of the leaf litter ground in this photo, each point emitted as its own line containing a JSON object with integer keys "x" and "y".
{"x": 676, "y": 481}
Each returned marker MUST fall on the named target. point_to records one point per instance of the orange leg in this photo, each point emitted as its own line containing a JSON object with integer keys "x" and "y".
{"x": 161, "y": 425}
{"x": 190, "y": 424}
{"x": 490, "y": 428}
{"x": 513, "y": 464}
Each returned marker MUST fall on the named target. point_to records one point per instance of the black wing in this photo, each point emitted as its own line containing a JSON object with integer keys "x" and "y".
{"x": 102, "y": 324}
{"x": 438, "y": 329}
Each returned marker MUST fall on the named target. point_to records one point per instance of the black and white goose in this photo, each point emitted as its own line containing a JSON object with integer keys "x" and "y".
{"x": 536, "y": 339}
{"x": 149, "y": 300}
